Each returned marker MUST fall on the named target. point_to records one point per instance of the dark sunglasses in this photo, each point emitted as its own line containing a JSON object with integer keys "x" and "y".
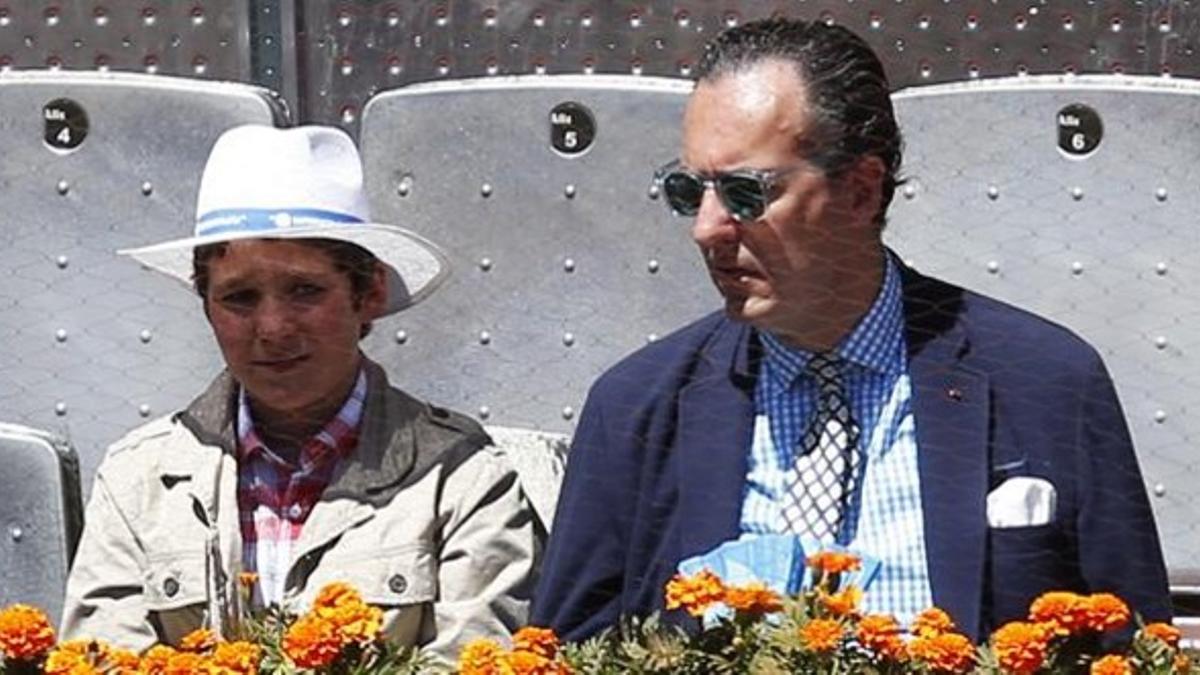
{"x": 745, "y": 194}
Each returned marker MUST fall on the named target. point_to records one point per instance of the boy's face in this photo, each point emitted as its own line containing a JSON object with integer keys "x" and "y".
{"x": 287, "y": 322}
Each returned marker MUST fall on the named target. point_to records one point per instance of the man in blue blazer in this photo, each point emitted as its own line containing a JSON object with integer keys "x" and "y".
{"x": 977, "y": 451}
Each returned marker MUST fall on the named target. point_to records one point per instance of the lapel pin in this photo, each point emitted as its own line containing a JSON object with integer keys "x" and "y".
{"x": 954, "y": 393}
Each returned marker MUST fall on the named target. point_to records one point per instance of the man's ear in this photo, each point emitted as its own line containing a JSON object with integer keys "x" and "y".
{"x": 865, "y": 180}
{"x": 375, "y": 300}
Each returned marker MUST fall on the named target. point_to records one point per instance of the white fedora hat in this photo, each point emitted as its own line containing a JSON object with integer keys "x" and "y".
{"x": 304, "y": 182}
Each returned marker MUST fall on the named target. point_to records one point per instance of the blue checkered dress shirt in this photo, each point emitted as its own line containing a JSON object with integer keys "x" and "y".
{"x": 884, "y": 520}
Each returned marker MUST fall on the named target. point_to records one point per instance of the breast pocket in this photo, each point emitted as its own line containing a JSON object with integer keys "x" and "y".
{"x": 175, "y": 592}
{"x": 1026, "y": 562}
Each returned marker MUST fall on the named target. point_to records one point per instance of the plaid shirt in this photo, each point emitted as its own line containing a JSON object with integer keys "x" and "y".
{"x": 884, "y": 520}
{"x": 275, "y": 496}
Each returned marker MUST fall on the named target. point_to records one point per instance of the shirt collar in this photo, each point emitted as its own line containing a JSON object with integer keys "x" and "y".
{"x": 336, "y": 438}
{"x": 873, "y": 344}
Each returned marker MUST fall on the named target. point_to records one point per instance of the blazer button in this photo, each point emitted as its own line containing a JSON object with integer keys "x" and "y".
{"x": 170, "y": 587}
{"x": 398, "y": 583}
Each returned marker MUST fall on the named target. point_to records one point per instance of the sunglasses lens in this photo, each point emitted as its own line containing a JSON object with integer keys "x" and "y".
{"x": 744, "y": 196}
{"x": 684, "y": 192}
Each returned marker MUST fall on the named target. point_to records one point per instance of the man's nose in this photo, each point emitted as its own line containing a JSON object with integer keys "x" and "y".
{"x": 274, "y": 319}
{"x": 713, "y": 225}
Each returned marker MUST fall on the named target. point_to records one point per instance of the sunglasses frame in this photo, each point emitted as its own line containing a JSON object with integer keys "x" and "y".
{"x": 767, "y": 179}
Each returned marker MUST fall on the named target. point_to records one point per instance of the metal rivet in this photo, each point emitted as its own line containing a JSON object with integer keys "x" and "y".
{"x": 16, "y": 533}
{"x": 954, "y": 393}
{"x": 61, "y": 335}
{"x": 635, "y": 20}
{"x": 993, "y": 192}
{"x": 876, "y": 22}
{"x": 485, "y": 264}
{"x": 344, "y": 19}
{"x": 63, "y": 187}
{"x": 401, "y": 337}
{"x": 145, "y": 335}
{"x": 1161, "y": 194}
{"x": 568, "y": 412}
{"x": 652, "y": 337}
{"x": 484, "y": 337}
{"x": 652, "y": 266}
{"x": 398, "y": 584}
{"x": 486, "y": 190}
{"x": 910, "y": 191}
{"x": 144, "y": 410}
{"x": 923, "y": 23}
{"x": 62, "y": 261}
{"x": 1077, "y": 193}
{"x": 1161, "y": 342}
{"x": 1159, "y": 489}
{"x": 569, "y": 191}
{"x": 568, "y": 339}
{"x": 147, "y": 188}
{"x": 1160, "y": 269}
{"x": 569, "y": 265}
{"x": 1076, "y": 268}
{"x": 484, "y": 412}
{"x": 405, "y": 186}
{"x": 60, "y": 408}
{"x": 1160, "y": 416}
{"x": 653, "y": 192}
{"x": 993, "y": 267}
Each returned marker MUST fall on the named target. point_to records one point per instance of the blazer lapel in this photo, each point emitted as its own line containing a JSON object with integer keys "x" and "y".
{"x": 716, "y": 416}
{"x": 951, "y": 406}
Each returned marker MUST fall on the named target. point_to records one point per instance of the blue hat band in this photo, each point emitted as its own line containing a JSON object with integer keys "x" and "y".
{"x": 269, "y": 220}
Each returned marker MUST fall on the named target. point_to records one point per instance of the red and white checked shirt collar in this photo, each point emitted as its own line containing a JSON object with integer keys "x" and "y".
{"x": 275, "y": 496}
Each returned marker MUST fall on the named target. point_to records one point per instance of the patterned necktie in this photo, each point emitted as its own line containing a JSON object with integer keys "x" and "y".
{"x": 826, "y": 469}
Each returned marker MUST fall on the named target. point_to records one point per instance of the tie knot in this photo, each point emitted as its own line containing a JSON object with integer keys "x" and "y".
{"x": 825, "y": 368}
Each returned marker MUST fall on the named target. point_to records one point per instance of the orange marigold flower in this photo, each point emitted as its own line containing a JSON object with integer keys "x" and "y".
{"x": 822, "y": 635}
{"x": 480, "y": 657}
{"x": 76, "y": 657}
{"x": 842, "y": 603}
{"x": 753, "y": 598}
{"x": 1021, "y": 647}
{"x": 1111, "y": 665}
{"x": 355, "y": 622}
{"x": 1106, "y": 611}
{"x": 1183, "y": 664}
{"x": 880, "y": 633}
{"x": 122, "y": 661}
{"x": 236, "y": 658}
{"x": 155, "y": 660}
{"x": 186, "y": 663}
{"x": 540, "y": 641}
{"x": 312, "y": 642}
{"x": 1065, "y": 612}
{"x": 247, "y": 579}
{"x": 1164, "y": 632}
{"x": 696, "y": 593}
{"x": 529, "y": 663}
{"x": 199, "y": 640}
{"x": 336, "y": 594}
{"x": 834, "y": 562}
{"x": 25, "y": 633}
{"x": 932, "y": 621}
{"x": 944, "y": 652}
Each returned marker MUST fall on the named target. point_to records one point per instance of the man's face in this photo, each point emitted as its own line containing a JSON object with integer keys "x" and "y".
{"x": 791, "y": 268}
{"x": 288, "y": 325}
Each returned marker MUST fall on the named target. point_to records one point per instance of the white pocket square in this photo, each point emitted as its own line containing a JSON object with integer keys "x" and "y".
{"x": 1021, "y": 501}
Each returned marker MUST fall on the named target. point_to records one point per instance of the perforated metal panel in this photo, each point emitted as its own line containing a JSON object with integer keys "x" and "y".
{"x": 1103, "y": 243}
{"x": 563, "y": 264}
{"x": 350, "y": 50}
{"x": 40, "y": 515}
{"x": 93, "y": 345}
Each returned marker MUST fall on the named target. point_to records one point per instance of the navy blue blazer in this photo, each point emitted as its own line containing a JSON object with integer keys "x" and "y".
{"x": 658, "y": 466}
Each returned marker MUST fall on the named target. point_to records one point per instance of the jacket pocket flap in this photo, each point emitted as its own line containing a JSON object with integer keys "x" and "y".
{"x": 174, "y": 580}
{"x": 404, "y": 576}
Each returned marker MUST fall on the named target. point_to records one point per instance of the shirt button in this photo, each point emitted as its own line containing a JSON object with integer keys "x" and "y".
{"x": 295, "y": 511}
{"x": 170, "y": 587}
{"x": 398, "y": 583}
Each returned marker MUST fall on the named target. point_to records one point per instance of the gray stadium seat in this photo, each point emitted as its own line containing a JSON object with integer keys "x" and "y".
{"x": 41, "y": 515}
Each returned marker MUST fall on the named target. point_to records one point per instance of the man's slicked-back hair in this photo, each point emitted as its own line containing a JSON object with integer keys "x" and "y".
{"x": 846, "y": 85}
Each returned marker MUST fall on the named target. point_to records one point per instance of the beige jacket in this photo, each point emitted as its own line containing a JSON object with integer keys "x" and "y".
{"x": 422, "y": 518}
